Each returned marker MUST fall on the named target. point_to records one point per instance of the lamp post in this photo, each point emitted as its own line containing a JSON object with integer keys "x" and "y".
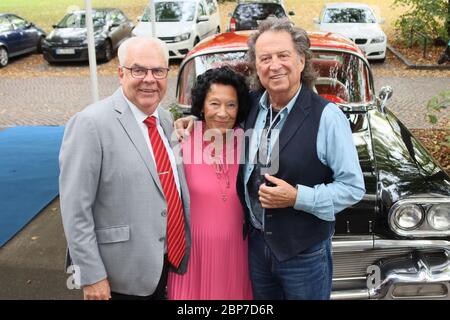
{"x": 91, "y": 51}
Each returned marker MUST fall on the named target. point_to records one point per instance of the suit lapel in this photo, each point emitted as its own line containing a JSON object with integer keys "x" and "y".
{"x": 128, "y": 122}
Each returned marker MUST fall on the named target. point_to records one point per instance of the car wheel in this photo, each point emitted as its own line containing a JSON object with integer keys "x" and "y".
{"x": 3, "y": 57}
{"x": 39, "y": 44}
{"x": 108, "y": 51}
{"x": 197, "y": 40}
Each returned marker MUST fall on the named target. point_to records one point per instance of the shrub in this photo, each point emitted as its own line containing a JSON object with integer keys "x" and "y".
{"x": 426, "y": 16}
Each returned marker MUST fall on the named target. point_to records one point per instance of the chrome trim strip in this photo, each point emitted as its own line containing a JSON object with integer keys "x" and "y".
{"x": 358, "y": 245}
{"x": 350, "y": 294}
{"x": 362, "y": 245}
{"x": 379, "y": 244}
{"x": 349, "y": 279}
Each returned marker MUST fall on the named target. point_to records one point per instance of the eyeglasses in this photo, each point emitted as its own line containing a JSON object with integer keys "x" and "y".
{"x": 141, "y": 72}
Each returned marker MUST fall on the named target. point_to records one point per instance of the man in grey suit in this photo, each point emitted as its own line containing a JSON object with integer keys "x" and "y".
{"x": 113, "y": 197}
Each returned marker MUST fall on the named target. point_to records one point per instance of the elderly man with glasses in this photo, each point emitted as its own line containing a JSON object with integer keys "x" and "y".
{"x": 124, "y": 198}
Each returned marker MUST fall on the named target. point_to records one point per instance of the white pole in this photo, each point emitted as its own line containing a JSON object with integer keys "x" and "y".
{"x": 153, "y": 17}
{"x": 91, "y": 51}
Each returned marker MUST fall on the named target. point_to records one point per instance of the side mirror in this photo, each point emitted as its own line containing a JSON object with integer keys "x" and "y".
{"x": 291, "y": 13}
{"x": 139, "y": 18}
{"x": 54, "y": 26}
{"x": 202, "y": 19}
{"x": 316, "y": 20}
{"x": 381, "y": 21}
{"x": 230, "y": 14}
{"x": 384, "y": 95}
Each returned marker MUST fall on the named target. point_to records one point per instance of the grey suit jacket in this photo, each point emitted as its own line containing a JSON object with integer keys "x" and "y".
{"x": 113, "y": 208}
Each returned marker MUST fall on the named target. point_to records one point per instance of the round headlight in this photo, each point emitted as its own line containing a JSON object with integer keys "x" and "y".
{"x": 439, "y": 217}
{"x": 408, "y": 217}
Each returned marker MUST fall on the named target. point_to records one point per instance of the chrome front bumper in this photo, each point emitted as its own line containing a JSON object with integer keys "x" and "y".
{"x": 391, "y": 269}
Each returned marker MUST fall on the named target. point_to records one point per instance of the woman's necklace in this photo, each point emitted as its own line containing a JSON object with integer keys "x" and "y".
{"x": 222, "y": 174}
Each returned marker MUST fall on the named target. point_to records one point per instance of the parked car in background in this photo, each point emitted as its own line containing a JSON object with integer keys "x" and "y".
{"x": 18, "y": 36}
{"x": 357, "y": 22}
{"x": 248, "y": 13}
{"x": 68, "y": 40}
{"x": 181, "y": 24}
{"x": 394, "y": 243}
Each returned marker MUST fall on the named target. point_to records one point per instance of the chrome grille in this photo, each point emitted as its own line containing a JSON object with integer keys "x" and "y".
{"x": 354, "y": 264}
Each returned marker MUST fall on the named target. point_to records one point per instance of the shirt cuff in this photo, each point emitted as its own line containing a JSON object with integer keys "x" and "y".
{"x": 305, "y": 199}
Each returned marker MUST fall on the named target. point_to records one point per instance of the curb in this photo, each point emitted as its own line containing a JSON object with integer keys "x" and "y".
{"x": 417, "y": 66}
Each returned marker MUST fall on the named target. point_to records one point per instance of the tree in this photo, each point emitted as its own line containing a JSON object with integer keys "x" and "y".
{"x": 426, "y": 16}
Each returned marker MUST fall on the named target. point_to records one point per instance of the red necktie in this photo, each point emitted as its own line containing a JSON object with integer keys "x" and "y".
{"x": 176, "y": 242}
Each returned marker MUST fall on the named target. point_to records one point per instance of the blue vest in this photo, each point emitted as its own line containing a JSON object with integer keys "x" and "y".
{"x": 288, "y": 232}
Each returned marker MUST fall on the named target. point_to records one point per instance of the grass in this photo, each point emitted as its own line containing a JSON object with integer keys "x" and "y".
{"x": 45, "y": 13}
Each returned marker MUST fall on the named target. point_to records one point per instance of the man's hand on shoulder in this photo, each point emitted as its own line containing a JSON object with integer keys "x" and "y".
{"x": 184, "y": 127}
{"x": 97, "y": 291}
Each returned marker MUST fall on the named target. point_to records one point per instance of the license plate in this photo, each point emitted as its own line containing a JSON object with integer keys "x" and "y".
{"x": 65, "y": 51}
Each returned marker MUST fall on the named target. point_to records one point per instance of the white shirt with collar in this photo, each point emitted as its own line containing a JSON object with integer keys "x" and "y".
{"x": 140, "y": 117}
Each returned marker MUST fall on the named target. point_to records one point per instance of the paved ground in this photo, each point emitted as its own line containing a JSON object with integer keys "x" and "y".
{"x": 53, "y": 100}
{"x": 32, "y": 263}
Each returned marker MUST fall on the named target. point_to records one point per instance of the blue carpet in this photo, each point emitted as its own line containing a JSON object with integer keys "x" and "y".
{"x": 28, "y": 174}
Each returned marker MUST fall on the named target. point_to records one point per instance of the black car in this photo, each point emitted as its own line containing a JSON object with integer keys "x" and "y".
{"x": 18, "y": 36}
{"x": 68, "y": 40}
{"x": 248, "y": 13}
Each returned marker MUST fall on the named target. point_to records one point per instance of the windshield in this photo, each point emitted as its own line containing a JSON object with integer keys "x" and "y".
{"x": 78, "y": 20}
{"x": 171, "y": 12}
{"x": 348, "y": 15}
{"x": 200, "y": 64}
{"x": 258, "y": 11}
{"x": 342, "y": 77}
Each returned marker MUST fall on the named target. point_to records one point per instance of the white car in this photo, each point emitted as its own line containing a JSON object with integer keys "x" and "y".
{"x": 358, "y": 22}
{"x": 181, "y": 23}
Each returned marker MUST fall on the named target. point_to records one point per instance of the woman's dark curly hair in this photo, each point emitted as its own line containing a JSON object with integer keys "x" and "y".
{"x": 224, "y": 75}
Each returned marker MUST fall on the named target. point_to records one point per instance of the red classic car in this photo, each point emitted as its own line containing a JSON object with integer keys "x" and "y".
{"x": 394, "y": 243}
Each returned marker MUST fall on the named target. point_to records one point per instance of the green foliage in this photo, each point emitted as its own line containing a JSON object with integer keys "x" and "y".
{"x": 426, "y": 16}
{"x": 437, "y": 104}
{"x": 176, "y": 112}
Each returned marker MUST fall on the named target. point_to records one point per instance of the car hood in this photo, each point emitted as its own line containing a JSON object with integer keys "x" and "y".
{"x": 72, "y": 33}
{"x": 163, "y": 29}
{"x": 353, "y": 30}
{"x": 403, "y": 167}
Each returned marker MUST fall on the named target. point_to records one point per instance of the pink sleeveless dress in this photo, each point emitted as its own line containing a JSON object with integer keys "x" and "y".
{"x": 218, "y": 264}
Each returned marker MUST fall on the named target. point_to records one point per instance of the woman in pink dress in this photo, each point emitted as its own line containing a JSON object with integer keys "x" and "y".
{"x": 218, "y": 263}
